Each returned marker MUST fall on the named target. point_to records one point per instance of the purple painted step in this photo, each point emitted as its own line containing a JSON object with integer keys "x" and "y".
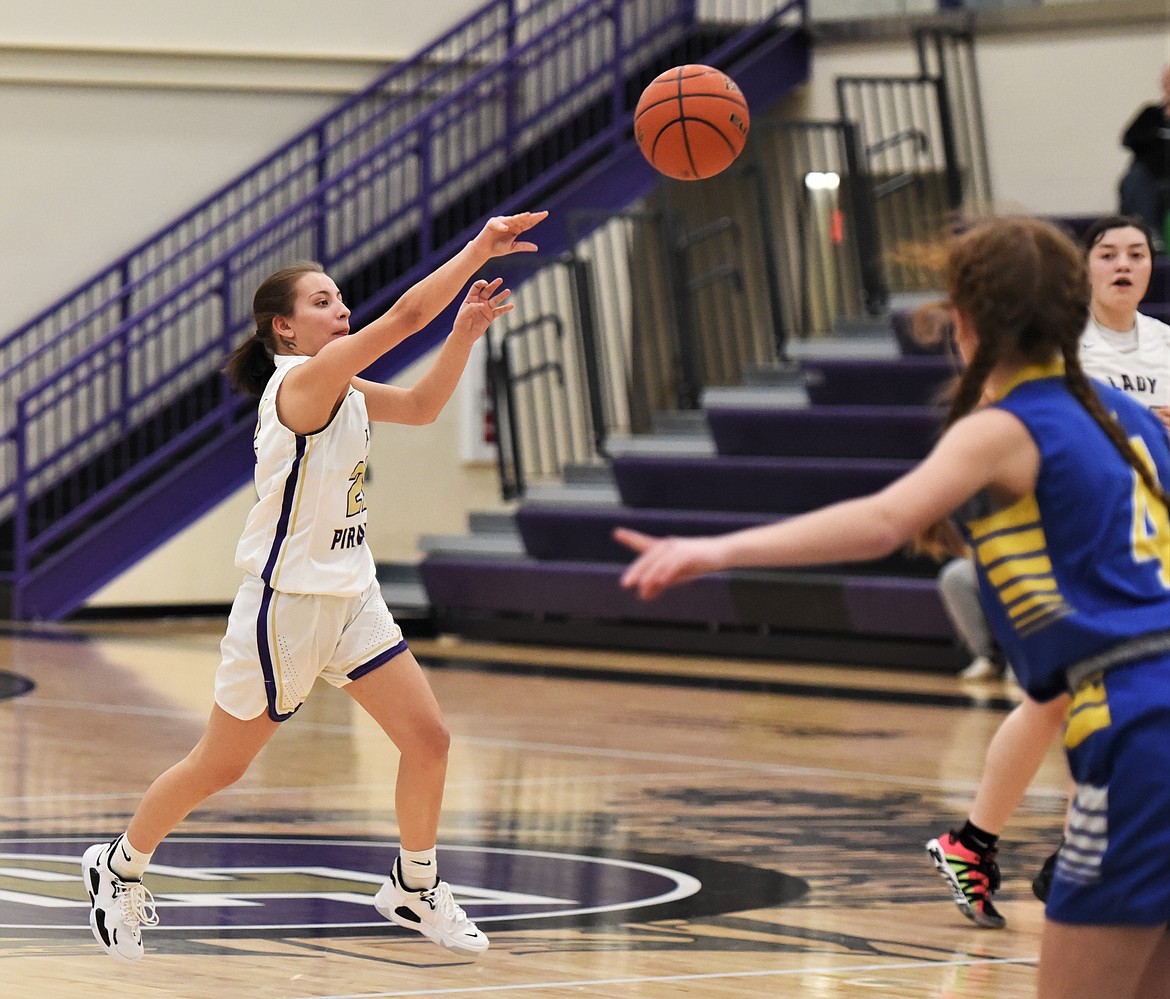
{"x": 558, "y": 532}
{"x": 582, "y": 589}
{"x": 1076, "y": 225}
{"x": 749, "y": 484}
{"x": 874, "y": 606}
{"x": 826, "y": 431}
{"x": 904, "y": 381}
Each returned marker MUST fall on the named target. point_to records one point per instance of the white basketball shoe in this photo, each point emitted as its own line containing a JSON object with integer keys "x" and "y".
{"x": 118, "y": 909}
{"x": 432, "y": 912}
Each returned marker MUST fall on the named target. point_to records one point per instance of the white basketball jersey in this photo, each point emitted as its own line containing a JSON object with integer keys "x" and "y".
{"x": 1138, "y": 363}
{"x": 307, "y": 531}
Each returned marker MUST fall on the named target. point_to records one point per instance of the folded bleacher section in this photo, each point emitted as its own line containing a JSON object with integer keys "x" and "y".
{"x": 849, "y": 426}
{"x": 846, "y": 425}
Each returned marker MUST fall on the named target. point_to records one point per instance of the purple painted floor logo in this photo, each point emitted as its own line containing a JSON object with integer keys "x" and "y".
{"x": 259, "y": 885}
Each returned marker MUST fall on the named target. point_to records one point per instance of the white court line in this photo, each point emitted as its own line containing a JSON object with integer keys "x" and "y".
{"x": 385, "y": 786}
{"x": 661, "y": 979}
{"x": 108, "y": 709}
{"x": 686, "y": 761}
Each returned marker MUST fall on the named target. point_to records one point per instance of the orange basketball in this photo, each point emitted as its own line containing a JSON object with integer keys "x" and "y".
{"x": 691, "y": 122}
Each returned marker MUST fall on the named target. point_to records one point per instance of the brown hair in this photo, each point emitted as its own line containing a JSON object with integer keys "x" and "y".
{"x": 250, "y": 365}
{"x": 1096, "y": 232}
{"x": 1023, "y": 286}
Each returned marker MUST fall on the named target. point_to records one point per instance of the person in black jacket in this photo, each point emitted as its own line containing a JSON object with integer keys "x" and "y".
{"x": 1145, "y": 188}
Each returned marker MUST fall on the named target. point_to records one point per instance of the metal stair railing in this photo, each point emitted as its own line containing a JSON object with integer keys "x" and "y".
{"x": 152, "y": 271}
{"x": 162, "y": 328}
{"x": 48, "y": 341}
{"x": 925, "y": 152}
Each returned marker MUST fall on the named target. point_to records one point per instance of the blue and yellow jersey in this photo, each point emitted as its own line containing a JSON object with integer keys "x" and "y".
{"x": 1083, "y": 563}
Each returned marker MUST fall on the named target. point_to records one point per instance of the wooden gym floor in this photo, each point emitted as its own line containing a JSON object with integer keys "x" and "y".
{"x": 621, "y": 825}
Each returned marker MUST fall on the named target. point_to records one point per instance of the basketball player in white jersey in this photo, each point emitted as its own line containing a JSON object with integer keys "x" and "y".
{"x": 1131, "y": 351}
{"x": 1120, "y": 345}
{"x": 310, "y": 605}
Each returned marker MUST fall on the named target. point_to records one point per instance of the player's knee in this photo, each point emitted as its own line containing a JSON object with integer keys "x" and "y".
{"x": 213, "y": 773}
{"x": 433, "y": 740}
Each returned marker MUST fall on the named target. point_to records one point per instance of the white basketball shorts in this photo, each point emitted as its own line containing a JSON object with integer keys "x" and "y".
{"x": 277, "y": 644}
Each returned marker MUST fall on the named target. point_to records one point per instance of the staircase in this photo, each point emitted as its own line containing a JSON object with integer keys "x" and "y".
{"x": 118, "y": 429}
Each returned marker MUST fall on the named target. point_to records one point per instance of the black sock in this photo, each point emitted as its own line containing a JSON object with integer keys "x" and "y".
{"x": 974, "y": 838}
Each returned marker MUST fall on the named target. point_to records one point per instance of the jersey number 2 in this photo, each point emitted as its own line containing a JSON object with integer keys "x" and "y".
{"x": 357, "y": 490}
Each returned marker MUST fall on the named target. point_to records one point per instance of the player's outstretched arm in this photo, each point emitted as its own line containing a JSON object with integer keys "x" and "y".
{"x": 988, "y": 448}
{"x": 422, "y": 402}
{"x": 314, "y": 389}
{"x": 421, "y": 303}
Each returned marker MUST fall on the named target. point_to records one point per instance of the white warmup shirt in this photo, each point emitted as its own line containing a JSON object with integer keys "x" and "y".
{"x": 307, "y": 531}
{"x": 1137, "y": 362}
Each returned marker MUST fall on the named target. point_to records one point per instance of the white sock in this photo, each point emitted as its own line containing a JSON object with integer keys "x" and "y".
{"x": 419, "y": 868}
{"x": 126, "y": 862}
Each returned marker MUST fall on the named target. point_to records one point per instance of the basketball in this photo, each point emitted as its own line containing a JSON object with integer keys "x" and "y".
{"x": 691, "y": 122}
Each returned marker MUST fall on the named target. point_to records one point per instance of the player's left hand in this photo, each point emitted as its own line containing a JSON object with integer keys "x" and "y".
{"x": 1163, "y": 414}
{"x": 483, "y": 303}
{"x": 666, "y": 562}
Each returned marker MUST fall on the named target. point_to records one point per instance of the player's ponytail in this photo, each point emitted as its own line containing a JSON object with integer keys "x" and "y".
{"x": 251, "y": 364}
{"x": 940, "y": 540}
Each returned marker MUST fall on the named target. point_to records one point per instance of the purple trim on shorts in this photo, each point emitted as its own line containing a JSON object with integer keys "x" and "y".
{"x": 378, "y": 660}
{"x": 264, "y": 652}
{"x": 286, "y": 505}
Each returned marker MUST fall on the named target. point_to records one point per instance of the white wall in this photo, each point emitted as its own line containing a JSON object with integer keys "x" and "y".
{"x": 838, "y": 10}
{"x": 90, "y": 173}
{"x": 375, "y": 28}
{"x": 118, "y": 116}
{"x": 1055, "y": 106}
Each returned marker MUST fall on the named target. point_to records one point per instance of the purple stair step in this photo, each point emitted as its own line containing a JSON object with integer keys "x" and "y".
{"x": 826, "y": 431}
{"x": 749, "y": 484}
{"x": 568, "y": 533}
{"x": 903, "y": 381}
{"x": 876, "y": 606}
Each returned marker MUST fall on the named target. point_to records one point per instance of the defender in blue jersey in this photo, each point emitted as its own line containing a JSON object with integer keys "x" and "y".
{"x": 1129, "y": 351}
{"x": 1073, "y": 549}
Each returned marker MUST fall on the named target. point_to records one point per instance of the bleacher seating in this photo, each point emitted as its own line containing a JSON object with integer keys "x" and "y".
{"x": 824, "y": 431}
{"x": 863, "y": 421}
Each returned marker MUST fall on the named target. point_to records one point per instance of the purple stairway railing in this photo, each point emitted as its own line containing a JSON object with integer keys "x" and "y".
{"x": 112, "y": 395}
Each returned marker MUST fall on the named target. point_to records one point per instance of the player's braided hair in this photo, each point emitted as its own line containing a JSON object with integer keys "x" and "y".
{"x": 1082, "y": 391}
{"x": 1023, "y": 287}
